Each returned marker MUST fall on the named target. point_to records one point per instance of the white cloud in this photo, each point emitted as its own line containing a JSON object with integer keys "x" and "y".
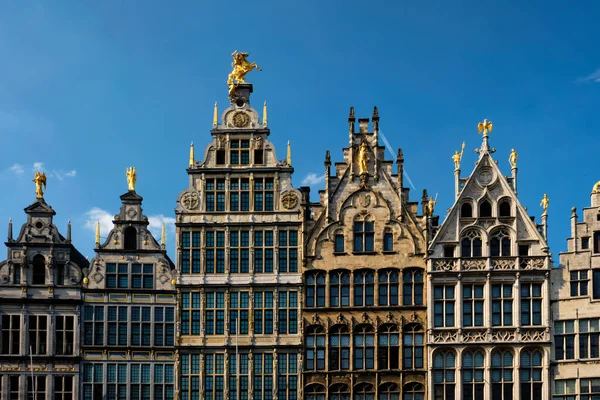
{"x": 37, "y": 166}
{"x": 60, "y": 175}
{"x": 594, "y": 77}
{"x": 17, "y": 169}
{"x": 156, "y": 222}
{"x": 313, "y": 179}
{"x": 97, "y": 214}
{"x": 71, "y": 173}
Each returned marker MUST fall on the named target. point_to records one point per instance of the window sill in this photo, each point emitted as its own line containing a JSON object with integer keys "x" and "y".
{"x": 340, "y": 253}
{"x": 364, "y": 253}
{"x": 388, "y": 252}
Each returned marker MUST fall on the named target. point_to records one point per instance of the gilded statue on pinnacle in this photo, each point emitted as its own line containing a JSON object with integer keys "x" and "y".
{"x": 363, "y": 158}
{"x": 241, "y": 67}
{"x": 39, "y": 179}
{"x": 544, "y": 203}
{"x": 131, "y": 178}
{"x": 512, "y": 159}
{"x": 596, "y": 188}
{"x": 458, "y": 156}
{"x": 484, "y": 127}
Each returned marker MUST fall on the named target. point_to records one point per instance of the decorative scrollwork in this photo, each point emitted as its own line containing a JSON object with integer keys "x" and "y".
{"x": 473, "y": 264}
{"x": 190, "y": 200}
{"x": 503, "y": 335}
{"x": 445, "y": 336}
{"x": 474, "y": 335}
{"x": 503, "y": 263}
{"x": 448, "y": 264}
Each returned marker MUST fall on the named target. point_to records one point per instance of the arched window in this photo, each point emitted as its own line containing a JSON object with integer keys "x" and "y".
{"x": 130, "y": 238}
{"x": 500, "y": 244}
{"x": 444, "y": 379}
{"x": 38, "y": 270}
{"x": 388, "y": 287}
{"x": 364, "y": 286}
{"x": 485, "y": 209}
{"x": 315, "y": 289}
{"x": 339, "y": 391}
{"x": 466, "y": 210}
{"x": 502, "y": 375}
{"x": 413, "y": 391}
{"x": 364, "y": 235}
{"x": 470, "y": 245}
{"x": 388, "y": 240}
{"x": 364, "y": 391}
{"x": 315, "y": 348}
{"x": 389, "y": 347}
{"x": 504, "y": 209}
{"x": 314, "y": 392}
{"x": 364, "y": 347}
{"x": 413, "y": 346}
{"x": 472, "y": 372}
{"x": 339, "y": 288}
{"x": 412, "y": 286}
{"x": 530, "y": 372}
{"x": 339, "y": 348}
{"x": 389, "y": 391}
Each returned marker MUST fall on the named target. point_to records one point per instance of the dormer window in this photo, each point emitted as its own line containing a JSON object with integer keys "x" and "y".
{"x": 39, "y": 270}
{"x": 466, "y": 210}
{"x": 504, "y": 210}
{"x": 485, "y": 209}
{"x": 471, "y": 244}
{"x": 500, "y": 244}
{"x": 239, "y": 152}
{"x": 363, "y": 236}
{"x": 130, "y": 238}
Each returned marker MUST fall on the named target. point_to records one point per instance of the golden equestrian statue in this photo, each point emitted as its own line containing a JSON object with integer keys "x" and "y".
{"x": 363, "y": 158}
{"x": 596, "y": 188}
{"x": 241, "y": 67}
{"x": 39, "y": 179}
{"x": 131, "y": 178}
{"x": 544, "y": 203}
{"x": 485, "y": 127}
{"x": 512, "y": 159}
{"x": 458, "y": 156}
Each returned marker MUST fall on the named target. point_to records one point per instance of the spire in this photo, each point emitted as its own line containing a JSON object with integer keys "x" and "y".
{"x": 98, "y": 234}
{"x": 10, "y": 234}
{"x": 216, "y": 115}
{"x": 289, "y": 154}
{"x": 265, "y": 114}
{"x": 351, "y": 121}
{"x": 485, "y": 128}
{"x": 163, "y": 237}
{"x": 69, "y": 231}
{"x": 375, "y": 119}
{"x": 192, "y": 154}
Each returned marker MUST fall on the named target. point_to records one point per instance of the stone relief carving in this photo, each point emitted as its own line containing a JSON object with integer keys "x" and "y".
{"x": 190, "y": 201}
{"x": 289, "y": 200}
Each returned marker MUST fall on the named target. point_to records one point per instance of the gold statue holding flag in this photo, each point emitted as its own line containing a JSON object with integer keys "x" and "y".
{"x": 458, "y": 156}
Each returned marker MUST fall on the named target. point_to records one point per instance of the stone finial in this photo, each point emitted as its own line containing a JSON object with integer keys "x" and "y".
{"x": 327, "y": 158}
{"x": 10, "y": 233}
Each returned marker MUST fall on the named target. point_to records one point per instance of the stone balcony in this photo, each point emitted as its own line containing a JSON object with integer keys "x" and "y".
{"x": 489, "y": 264}
{"x": 485, "y": 335}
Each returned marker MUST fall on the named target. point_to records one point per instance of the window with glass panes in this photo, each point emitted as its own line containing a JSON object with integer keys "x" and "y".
{"x": 64, "y": 333}
{"x": 589, "y": 338}
{"x": 164, "y": 326}
{"x": 214, "y": 377}
{"x": 238, "y": 313}
{"x": 314, "y": 348}
{"x": 288, "y": 312}
{"x": 579, "y": 283}
{"x": 164, "y": 382}
{"x": 93, "y": 325}
{"x": 190, "y": 313}
{"x": 215, "y": 252}
{"x": 13, "y": 387}
{"x": 239, "y": 194}
{"x": 530, "y": 372}
{"x": 531, "y": 303}
{"x": 190, "y": 252}
{"x": 589, "y": 388}
{"x": 314, "y": 392}
{"x": 413, "y": 346}
{"x": 388, "y": 287}
{"x": 502, "y": 304}
{"x": 388, "y": 241}
{"x": 339, "y": 243}
{"x": 141, "y": 326}
{"x": 116, "y": 318}
{"x": 443, "y": 306}
{"x": 214, "y": 315}
{"x": 263, "y": 312}
{"x": 339, "y": 348}
{"x": 315, "y": 289}
{"x": 263, "y": 194}
{"x": 239, "y": 251}
{"x": 565, "y": 389}
{"x": 472, "y": 305}
{"x": 364, "y": 287}
{"x": 339, "y": 391}
{"x": 263, "y": 376}
{"x": 142, "y": 276}
{"x": 412, "y": 286}
{"x": 500, "y": 244}
{"x": 263, "y": 251}
{"x": 117, "y": 276}
{"x": 412, "y": 391}
{"x": 339, "y": 288}
{"x": 472, "y": 372}
{"x": 93, "y": 381}
{"x": 238, "y": 376}
{"x": 389, "y": 348}
{"x": 470, "y": 244}
{"x": 364, "y": 391}
{"x": 36, "y": 387}
{"x": 444, "y": 375}
{"x": 364, "y": 235}
{"x": 190, "y": 376}
{"x": 287, "y": 376}
{"x": 215, "y": 194}
{"x": 364, "y": 347}
{"x": 140, "y": 381}
{"x": 239, "y": 152}
{"x": 391, "y": 391}
{"x": 288, "y": 251}
{"x": 564, "y": 340}
{"x": 116, "y": 381}
{"x": 63, "y": 387}
{"x": 38, "y": 334}
{"x": 502, "y": 375}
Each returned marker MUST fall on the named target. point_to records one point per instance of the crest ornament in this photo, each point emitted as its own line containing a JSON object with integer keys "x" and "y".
{"x": 257, "y": 142}
{"x": 365, "y": 200}
{"x": 240, "y": 119}
{"x": 190, "y": 200}
{"x": 289, "y": 200}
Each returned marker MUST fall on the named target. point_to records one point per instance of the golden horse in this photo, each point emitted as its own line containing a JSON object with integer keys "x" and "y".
{"x": 241, "y": 67}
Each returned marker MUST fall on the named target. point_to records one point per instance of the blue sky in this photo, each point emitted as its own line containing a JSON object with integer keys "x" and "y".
{"x": 90, "y": 88}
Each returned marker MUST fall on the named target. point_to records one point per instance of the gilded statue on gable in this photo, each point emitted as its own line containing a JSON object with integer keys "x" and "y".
{"x": 131, "y": 178}
{"x": 512, "y": 159}
{"x": 241, "y": 67}
{"x": 431, "y": 206}
{"x": 39, "y": 179}
{"x": 363, "y": 158}
{"x": 544, "y": 203}
{"x": 458, "y": 156}
{"x": 596, "y": 188}
{"x": 484, "y": 127}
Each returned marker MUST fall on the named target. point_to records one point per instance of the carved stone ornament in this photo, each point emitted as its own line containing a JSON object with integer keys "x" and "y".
{"x": 190, "y": 200}
{"x": 340, "y": 318}
{"x": 316, "y": 318}
{"x": 241, "y": 119}
{"x": 257, "y": 142}
{"x": 289, "y": 200}
{"x": 485, "y": 177}
{"x": 364, "y": 200}
{"x": 221, "y": 141}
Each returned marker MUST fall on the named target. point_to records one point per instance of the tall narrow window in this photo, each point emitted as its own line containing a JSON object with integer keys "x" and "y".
{"x": 531, "y": 303}
{"x": 443, "y": 306}
{"x": 288, "y": 312}
{"x": 141, "y": 325}
{"x": 473, "y": 305}
{"x": 239, "y": 194}
{"x": 502, "y": 304}
{"x": 388, "y": 241}
{"x": 214, "y": 377}
{"x": 444, "y": 379}
{"x": 471, "y": 244}
{"x": 63, "y": 387}
{"x": 190, "y": 252}
{"x": 38, "y": 334}
{"x": 11, "y": 334}
{"x": 214, "y": 315}
{"x": 263, "y": 194}
{"x": 466, "y": 210}
{"x": 564, "y": 340}
{"x": 39, "y": 270}
{"x": 339, "y": 349}
{"x": 388, "y": 354}
{"x": 287, "y": 376}
{"x": 579, "y": 283}
{"x": 190, "y": 313}
{"x": 238, "y": 313}
{"x": 263, "y": 251}
{"x": 215, "y": 194}
{"x": 364, "y": 347}
{"x": 263, "y": 376}
{"x": 388, "y": 287}
{"x": 485, "y": 209}
{"x": 117, "y": 326}
{"x": 215, "y": 252}
{"x": 364, "y": 286}
{"x": 239, "y": 251}
{"x": 500, "y": 244}
{"x": 596, "y": 283}
{"x": 263, "y": 312}
{"x": 190, "y": 375}
{"x": 116, "y": 379}
{"x": 413, "y": 347}
{"x": 16, "y": 274}
{"x": 596, "y": 242}
{"x": 93, "y": 325}
{"x": 412, "y": 287}
{"x": 502, "y": 375}
{"x": 315, "y": 289}
{"x": 64, "y": 334}
{"x": 363, "y": 236}
{"x": 163, "y": 382}
{"x": 315, "y": 348}
{"x": 288, "y": 251}
{"x": 504, "y": 210}
{"x": 472, "y": 371}
{"x": 13, "y": 387}
{"x": 339, "y": 288}
{"x": 93, "y": 381}
{"x": 130, "y": 238}
{"x": 164, "y": 326}
{"x": 238, "y": 376}
{"x": 339, "y": 243}
{"x": 589, "y": 338}
{"x": 531, "y": 375}
{"x": 36, "y": 390}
